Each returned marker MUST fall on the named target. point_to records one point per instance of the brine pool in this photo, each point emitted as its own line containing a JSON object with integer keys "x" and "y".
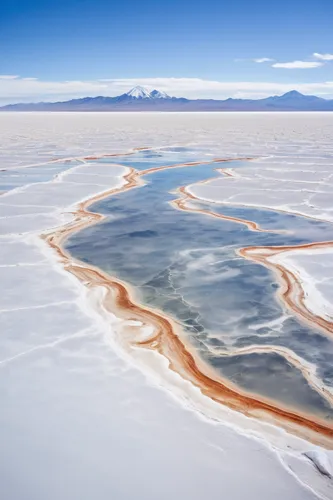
{"x": 186, "y": 265}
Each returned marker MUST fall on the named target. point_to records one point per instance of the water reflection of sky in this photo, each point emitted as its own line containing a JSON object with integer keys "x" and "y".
{"x": 186, "y": 264}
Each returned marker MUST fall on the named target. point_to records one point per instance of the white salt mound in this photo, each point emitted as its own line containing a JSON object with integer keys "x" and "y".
{"x": 321, "y": 460}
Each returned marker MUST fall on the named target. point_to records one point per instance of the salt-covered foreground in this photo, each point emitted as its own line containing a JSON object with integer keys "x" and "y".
{"x": 80, "y": 417}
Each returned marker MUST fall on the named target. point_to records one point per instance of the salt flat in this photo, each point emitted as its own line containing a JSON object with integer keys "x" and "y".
{"x": 305, "y": 187}
{"x": 84, "y": 418}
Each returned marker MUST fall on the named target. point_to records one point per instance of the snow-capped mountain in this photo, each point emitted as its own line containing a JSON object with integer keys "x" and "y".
{"x": 139, "y": 92}
{"x": 159, "y": 94}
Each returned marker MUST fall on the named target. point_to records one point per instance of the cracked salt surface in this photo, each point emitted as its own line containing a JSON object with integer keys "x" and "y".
{"x": 78, "y": 419}
{"x": 300, "y": 191}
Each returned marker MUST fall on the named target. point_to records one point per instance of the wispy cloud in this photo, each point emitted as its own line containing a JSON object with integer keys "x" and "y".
{"x": 255, "y": 59}
{"x": 8, "y": 77}
{"x": 33, "y": 90}
{"x": 298, "y": 64}
{"x": 262, "y": 59}
{"x": 323, "y": 57}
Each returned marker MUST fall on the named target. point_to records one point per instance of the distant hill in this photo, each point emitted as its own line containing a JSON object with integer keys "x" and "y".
{"x": 140, "y": 99}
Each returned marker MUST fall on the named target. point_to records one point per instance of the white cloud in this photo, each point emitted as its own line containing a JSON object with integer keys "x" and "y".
{"x": 8, "y": 77}
{"x": 30, "y": 90}
{"x": 33, "y": 90}
{"x": 323, "y": 57}
{"x": 298, "y": 65}
{"x": 263, "y": 59}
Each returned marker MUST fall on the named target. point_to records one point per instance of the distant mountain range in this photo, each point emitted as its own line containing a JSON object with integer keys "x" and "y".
{"x": 140, "y": 99}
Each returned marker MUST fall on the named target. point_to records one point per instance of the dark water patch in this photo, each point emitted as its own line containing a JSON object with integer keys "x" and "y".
{"x": 304, "y": 229}
{"x": 272, "y": 376}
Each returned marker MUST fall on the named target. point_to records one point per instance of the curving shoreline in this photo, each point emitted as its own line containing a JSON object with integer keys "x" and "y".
{"x": 182, "y": 204}
{"x": 306, "y": 369}
{"x": 167, "y": 337}
{"x": 291, "y": 291}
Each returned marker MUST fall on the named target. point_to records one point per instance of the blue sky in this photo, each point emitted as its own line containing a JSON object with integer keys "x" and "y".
{"x": 61, "y": 49}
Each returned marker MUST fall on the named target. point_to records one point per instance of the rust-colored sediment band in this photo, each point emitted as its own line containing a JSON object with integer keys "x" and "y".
{"x": 307, "y": 372}
{"x": 291, "y": 291}
{"x": 167, "y": 342}
{"x": 192, "y": 164}
{"x": 111, "y": 155}
{"x": 226, "y": 171}
{"x": 167, "y": 336}
{"x": 181, "y": 204}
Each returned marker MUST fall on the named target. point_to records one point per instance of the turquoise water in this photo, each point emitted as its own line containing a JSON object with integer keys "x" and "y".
{"x": 186, "y": 265}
